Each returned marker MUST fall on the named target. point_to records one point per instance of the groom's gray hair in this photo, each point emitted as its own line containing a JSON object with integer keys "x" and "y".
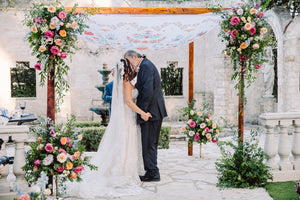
{"x": 131, "y": 53}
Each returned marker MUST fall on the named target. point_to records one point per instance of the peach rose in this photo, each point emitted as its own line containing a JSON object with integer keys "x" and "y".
{"x": 249, "y": 19}
{"x": 68, "y": 25}
{"x": 253, "y": 11}
{"x": 76, "y": 154}
{"x": 42, "y": 48}
{"x": 51, "y": 9}
{"x": 24, "y": 197}
{"x": 34, "y": 29}
{"x": 255, "y": 46}
{"x": 69, "y": 165}
{"x": 74, "y": 25}
{"x": 61, "y": 157}
{"x": 73, "y": 175}
{"x": 263, "y": 30}
{"x": 243, "y": 45}
{"x": 35, "y": 168}
{"x": 62, "y": 33}
{"x": 58, "y": 42}
{"x": 248, "y": 26}
{"x": 63, "y": 140}
{"x": 52, "y": 26}
{"x": 79, "y": 137}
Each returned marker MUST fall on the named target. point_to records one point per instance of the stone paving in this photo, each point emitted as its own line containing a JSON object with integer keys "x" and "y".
{"x": 190, "y": 177}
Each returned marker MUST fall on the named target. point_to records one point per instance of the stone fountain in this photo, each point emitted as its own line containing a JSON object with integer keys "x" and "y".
{"x": 103, "y": 109}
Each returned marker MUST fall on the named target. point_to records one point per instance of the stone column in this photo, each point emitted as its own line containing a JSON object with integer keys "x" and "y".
{"x": 296, "y": 145}
{"x": 270, "y": 144}
{"x": 284, "y": 148}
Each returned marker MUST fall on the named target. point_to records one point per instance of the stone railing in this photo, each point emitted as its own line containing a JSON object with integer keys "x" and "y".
{"x": 20, "y": 137}
{"x": 288, "y": 167}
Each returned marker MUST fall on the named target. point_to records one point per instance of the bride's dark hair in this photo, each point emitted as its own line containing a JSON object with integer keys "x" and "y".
{"x": 129, "y": 74}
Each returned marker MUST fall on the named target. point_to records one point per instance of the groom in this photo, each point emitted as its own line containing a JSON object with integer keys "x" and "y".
{"x": 150, "y": 99}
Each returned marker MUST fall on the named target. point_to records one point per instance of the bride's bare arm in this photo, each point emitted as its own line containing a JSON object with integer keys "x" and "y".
{"x": 127, "y": 89}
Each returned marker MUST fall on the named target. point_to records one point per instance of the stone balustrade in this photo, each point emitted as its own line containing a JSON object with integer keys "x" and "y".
{"x": 20, "y": 137}
{"x": 287, "y": 148}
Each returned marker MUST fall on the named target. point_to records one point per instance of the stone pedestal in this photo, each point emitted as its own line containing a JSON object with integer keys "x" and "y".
{"x": 267, "y": 104}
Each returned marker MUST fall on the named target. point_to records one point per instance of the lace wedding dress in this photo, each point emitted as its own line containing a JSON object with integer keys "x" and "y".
{"x": 119, "y": 156}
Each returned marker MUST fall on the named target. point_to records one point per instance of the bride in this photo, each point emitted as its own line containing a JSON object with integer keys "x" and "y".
{"x": 119, "y": 156}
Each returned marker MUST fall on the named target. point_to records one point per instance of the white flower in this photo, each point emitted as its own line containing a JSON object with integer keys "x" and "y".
{"x": 240, "y": 11}
{"x": 202, "y": 125}
{"x": 192, "y": 112}
{"x": 191, "y": 133}
{"x": 44, "y": 29}
{"x": 61, "y": 157}
{"x": 47, "y": 192}
{"x": 49, "y": 41}
{"x": 54, "y": 20}
{"x": 48, "y": 160}
{"x": 35, "y": 189}
{"x": 68, "y": 25}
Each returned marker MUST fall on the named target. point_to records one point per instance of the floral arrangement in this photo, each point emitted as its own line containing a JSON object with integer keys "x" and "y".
{"x": 52, "y": 37}
{"x": 56, "y": 151}
{"x": 200, "y": 126}
{"x": 244, "y": 31}
{"x": 297, "y": 187}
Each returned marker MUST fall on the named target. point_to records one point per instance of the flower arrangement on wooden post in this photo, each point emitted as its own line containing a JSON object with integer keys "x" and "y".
{"x": 56, "y": 151}
{"x": 200, "y": 127}
{"x": 245, "y": 34}
{"x": 52, "y": 38}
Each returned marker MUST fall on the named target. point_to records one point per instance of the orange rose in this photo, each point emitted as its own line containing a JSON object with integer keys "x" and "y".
{"x": 243, "y": 45}
{"x": 35, "y": 168}
{"x": 63, "y": 140}
{"x": 76, "y": 154}
{"x": 252, "y": 11}
{"x": 73, "y": 175}
{"x": 69, "y": 165}
{"x": 183, "y": 128}
{"x": 62, "y": 33}
{"x": 263, "y": 30}
{"x": 248, "y": 26}
{"x": 226, "y": 30}
{"x": 42, "y": 48}
{"x": 58, "y": 42}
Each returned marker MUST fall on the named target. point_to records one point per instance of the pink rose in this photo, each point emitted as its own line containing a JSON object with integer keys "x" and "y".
{"x": 37, "y": 163}
{"x": 62, "y": 151}
{"x": 49, "y": 34}
{"x": 252, "y": 31}
{"x": 70, "y": 145}
{"x": 78, "y": 169}
{"x": 233, "y": 33}
{"x": 54, "y": 50}
{"x": 196, "y": 138}
{"x": 37, "y": 66}
{"x": 234, "y": 20}
{"x": 260, "y": 15}
{"x": 214, "y": 140}
{"x": 60, "y": 169}
{"x": 192, "y": 124}
{"x": 206, "y": 130}
{"x": 242, "y": 58}
{"x": 63, "y": 55}
{"x": 258, "y": 66}
{"x": 62, "y": 15}
{"x": 49, "y": 148}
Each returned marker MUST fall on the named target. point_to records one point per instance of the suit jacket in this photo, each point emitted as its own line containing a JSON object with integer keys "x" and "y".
{"x": 108, "y": 94}
{"x": 150, "y": 98}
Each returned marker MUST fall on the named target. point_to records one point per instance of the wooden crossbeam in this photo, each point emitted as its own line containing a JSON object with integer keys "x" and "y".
{"x": 142, "y": 10}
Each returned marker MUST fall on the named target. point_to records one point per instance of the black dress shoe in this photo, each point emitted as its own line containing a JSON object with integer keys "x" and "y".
{"x": 150, "y": 177}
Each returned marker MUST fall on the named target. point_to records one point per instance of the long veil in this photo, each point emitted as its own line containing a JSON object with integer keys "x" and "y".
{"x": 115, "y": 176}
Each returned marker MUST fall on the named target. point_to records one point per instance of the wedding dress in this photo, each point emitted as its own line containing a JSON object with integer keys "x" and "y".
{"x": 119, "y": 155}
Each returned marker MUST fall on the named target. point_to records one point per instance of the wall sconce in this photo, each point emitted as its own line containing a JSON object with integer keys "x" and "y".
{"x": 10, "y": 147}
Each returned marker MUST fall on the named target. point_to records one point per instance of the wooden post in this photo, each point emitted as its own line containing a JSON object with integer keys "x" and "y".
{"x": 241, "y": 108}
{"x": 51, "y": 96}
{"x": 191, "y": 71}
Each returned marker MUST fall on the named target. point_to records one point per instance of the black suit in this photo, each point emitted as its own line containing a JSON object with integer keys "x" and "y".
{"x": 150, "y": 99}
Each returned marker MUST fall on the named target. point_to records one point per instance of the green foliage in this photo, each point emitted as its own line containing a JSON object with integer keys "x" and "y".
{"x": 282, "y": 190}
{"x": 164, "y": 137}
{"x": 245, "y": 166}
{"x": 171, "y": 80}
{"x": 87, "y": 124}
{"x": 92, "y": 137}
